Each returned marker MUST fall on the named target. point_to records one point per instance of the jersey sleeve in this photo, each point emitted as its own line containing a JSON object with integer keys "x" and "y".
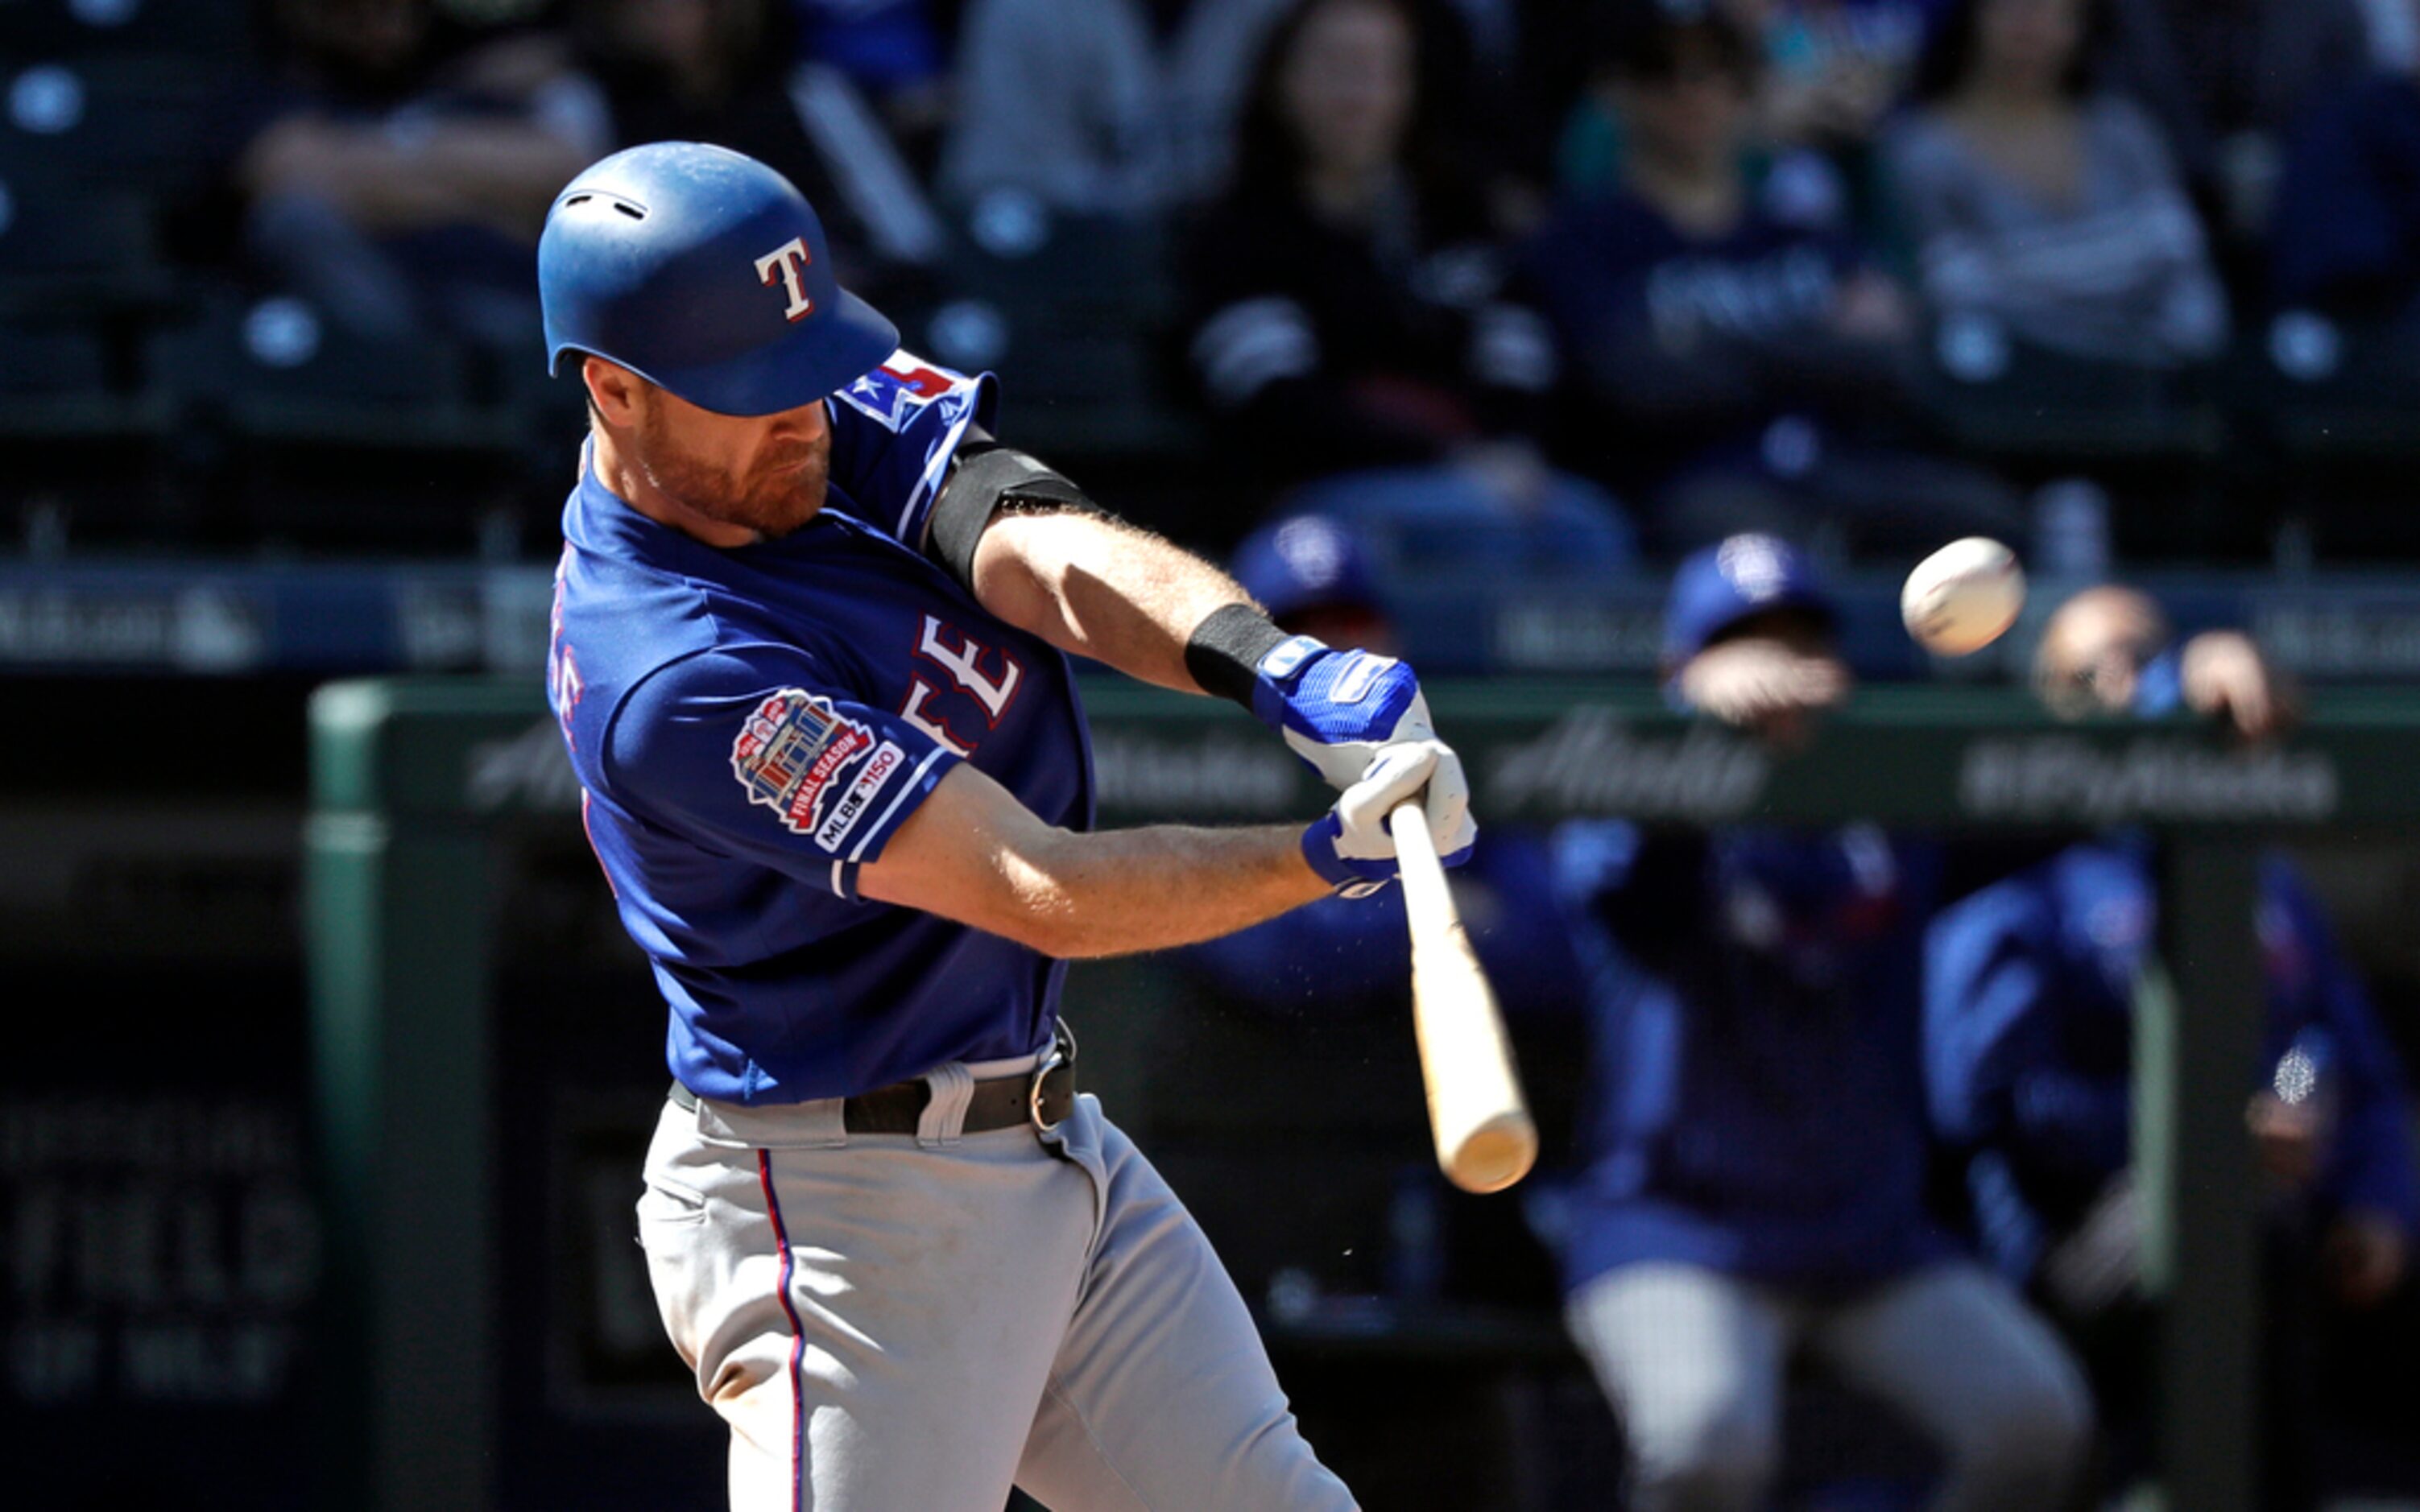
{"x": 895, "y": 432}
{"x": 754, "y": 753}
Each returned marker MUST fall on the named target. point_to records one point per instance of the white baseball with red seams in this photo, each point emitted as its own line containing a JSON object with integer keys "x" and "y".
{"x": 1963, "y": 597}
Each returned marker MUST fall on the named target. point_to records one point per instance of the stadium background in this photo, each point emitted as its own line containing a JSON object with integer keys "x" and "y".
{"x": 224, "y": 488}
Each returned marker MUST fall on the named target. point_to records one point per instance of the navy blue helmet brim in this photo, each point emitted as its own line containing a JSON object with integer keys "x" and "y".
{"x": 825, "y": 354}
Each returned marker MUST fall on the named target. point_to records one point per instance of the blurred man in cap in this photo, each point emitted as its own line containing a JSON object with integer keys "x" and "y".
{"x": 1754, "y": 1164}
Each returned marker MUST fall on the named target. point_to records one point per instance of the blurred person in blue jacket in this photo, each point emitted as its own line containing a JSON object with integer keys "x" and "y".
{"x": 2029, "y": 1009}
{"x": 1755, "y": 1157}
{"x": 1739, "y": 367}
{"x": 1315, "y": 578}
{"x": 2029, "y": 1063}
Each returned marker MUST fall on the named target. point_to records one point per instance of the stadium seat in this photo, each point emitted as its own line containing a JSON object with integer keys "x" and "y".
{"x": 2338, "y": 404}
{"x": 67, "y": 250}
{"x": 324, "y": 438}
{"x": 2026, "y": 407}
{"x": 133, "y": 123}
{"x": 282, "y": 370}
{"x": 1069, "y": 311}
{"x": 2155, "y": 439}
{"x": 75, "y": 28}
{"x": 73, "y": 439}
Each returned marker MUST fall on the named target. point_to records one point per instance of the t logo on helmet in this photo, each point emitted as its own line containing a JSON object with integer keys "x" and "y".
{"x": 788, "y": 261}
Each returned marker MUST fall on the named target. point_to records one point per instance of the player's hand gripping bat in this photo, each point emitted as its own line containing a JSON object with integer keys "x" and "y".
{"x": 1485, "y": 1141}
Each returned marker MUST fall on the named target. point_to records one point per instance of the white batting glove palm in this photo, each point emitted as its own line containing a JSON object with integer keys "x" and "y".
{"x": 1351, "y": 845}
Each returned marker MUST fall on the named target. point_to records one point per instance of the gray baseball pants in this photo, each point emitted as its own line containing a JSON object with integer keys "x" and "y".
{"x": 1694, "y": 1360}
{"x": 910, "y": 1323}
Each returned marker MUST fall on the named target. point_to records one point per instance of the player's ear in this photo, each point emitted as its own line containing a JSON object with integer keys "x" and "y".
{"x": 614, "y": 393}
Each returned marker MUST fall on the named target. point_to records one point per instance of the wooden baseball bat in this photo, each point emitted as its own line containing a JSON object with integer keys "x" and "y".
{"x": 1485, "y": 1141}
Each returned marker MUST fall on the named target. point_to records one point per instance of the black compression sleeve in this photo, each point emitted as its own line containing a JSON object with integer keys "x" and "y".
{"x": 989, "y": 479}
{"x": 1223, "y": 654}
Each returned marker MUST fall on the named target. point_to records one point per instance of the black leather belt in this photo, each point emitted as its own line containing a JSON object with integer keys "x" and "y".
{"x": 1042, "y": 1097}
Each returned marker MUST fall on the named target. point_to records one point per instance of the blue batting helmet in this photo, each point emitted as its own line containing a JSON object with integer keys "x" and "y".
{"x": 1716, "y": 587}
{"x": 705, "y": 273}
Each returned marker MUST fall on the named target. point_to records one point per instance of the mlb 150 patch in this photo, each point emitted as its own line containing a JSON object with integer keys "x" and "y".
{"x": 860, "y": 797}
{"x": 789, "y": 751}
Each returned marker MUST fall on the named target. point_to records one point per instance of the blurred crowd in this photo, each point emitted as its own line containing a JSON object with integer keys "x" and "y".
{"x": 1859, "y": 1107}
{"x": 1547, "y": 285}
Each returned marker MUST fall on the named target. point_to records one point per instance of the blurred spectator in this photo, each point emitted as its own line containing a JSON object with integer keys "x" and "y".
{"x": 2227, "y": 79}
{"x": 1129, "y": 106}
{"x": 719, "y": 71}
{"x": 2393, "y": 33}
{"x": 1099, "y": 106}
{"x": 1350, "y": 309}
{"x": 890, "y": 47}
{"x": 1840, "y": 65}
{"x": 892, "y": 55}
{"x": 1756, "y": 1150}
{"x": 2109, "y": 649}
{"x": 1833, "y": 71}
{"x": 2055, "y": 211}
{"x": 396, "y": 188}
{"x": 1743, "y": 371}
{"x": 1315, "y": 580}
{"x": 2349, "y": 203}
{"x": 2029, "y": 1020}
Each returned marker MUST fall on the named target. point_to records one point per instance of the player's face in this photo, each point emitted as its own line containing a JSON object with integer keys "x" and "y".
{"x": 765, "y": 474}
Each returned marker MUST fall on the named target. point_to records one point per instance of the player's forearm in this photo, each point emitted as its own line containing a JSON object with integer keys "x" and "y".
{"x": 974, "y": 856}
{"x": 1102, "y": 589}
{"x": 1120, "y": 891}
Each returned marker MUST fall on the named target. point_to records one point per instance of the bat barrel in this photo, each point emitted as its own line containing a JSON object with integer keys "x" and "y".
{"x": 1485, "y": 1139}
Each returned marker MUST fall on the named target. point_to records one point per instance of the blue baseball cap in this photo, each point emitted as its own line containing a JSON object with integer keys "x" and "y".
{"x": 1717, "y": 586}
{"x": 1309, "y": 562}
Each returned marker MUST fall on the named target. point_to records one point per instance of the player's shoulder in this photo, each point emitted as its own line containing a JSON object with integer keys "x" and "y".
{"x": 697, "y": 691}
{"x": 908, "y": 393}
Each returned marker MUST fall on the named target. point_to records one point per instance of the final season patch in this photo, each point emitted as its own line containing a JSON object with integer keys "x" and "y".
{"x": 789, "y": 751}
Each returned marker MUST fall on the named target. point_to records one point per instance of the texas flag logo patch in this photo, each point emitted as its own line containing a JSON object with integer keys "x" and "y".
{"x": 789, "y": 751}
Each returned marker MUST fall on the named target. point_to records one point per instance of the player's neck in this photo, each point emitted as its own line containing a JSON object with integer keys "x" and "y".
{"x": 630, "y": 483}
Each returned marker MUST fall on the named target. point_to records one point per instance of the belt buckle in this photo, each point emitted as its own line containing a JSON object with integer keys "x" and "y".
{"x": 1062, "y": 1053}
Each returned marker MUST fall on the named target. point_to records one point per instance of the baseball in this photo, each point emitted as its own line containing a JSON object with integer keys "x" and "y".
{"x": 1963, "y": 597}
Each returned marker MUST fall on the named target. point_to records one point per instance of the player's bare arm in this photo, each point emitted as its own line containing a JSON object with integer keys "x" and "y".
{"x": 1039, "y": 554}
{"x": 1098, "y": 587}
{"x": 974, "y": 853}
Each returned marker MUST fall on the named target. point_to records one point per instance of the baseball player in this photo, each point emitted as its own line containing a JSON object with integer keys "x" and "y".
{"x": 810, "y": 655}
{"x": 1754, "y": 1155}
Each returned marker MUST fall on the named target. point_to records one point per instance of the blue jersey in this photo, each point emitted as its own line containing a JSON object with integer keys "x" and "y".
{"x": 751, "y": 726}
{"x": 2029, "y": 1043}
{"x": 1757, "y": 1103}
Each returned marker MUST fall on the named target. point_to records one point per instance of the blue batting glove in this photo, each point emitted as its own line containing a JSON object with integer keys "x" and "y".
{"x": 1336, "y": 708}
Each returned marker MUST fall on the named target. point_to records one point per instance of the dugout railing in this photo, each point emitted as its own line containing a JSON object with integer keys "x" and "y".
{"x": 413, "y": 780}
